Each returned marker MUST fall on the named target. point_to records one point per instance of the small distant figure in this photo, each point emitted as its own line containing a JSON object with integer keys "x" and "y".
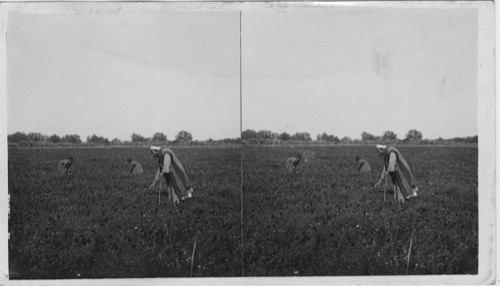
{"x": 136, "y": 167}
{"x": 402, "y": 178}
{"x": 64, "y": 166}
{"x": 292, "y": 163}
{"x": 308, "y": 156}
{"x": 364, "y": 166}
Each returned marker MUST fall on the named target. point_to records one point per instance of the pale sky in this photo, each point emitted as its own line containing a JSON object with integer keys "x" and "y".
{"x": 118, "y": 74}
{"x": 340, "y": 70}
{"x": 345, "y": 70}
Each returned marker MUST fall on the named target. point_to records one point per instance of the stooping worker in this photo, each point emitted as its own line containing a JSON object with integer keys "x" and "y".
{"x": 64, "y": 166}
{"x": 170, "y": 167}
{"x": 364, "y": 166}
{"x": 402, "y": 178}
{"x": 292, "y": 163}
{"x": 136, "y": 167}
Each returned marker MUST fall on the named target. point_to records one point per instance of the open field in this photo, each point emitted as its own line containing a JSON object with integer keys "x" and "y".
{"x": 328, "y": 220}
{"x": 102, "y": 223}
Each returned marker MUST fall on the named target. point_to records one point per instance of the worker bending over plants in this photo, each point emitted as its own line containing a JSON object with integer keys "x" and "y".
{"x": 292, "y": 163}
{"x": 402, "y": 178}
{"x": 136, "y": 167}
{"x": 171, "y": 169}
{"x": 64, "y": 166}
{"x": 364, "y": 166}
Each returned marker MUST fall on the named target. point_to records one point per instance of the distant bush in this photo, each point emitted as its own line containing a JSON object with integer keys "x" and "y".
{"x": 73, "y": 138}
{"x": 97, "y": 140}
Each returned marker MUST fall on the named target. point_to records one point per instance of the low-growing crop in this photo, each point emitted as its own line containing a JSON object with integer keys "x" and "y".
{"x": 102, "y": 222}
{"x": 249, "y": 216}
{"x": 330, "y": 220}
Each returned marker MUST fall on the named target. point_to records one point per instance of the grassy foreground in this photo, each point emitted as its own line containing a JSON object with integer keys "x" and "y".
{"x": 328, "y": 220}
{"x": 102, "y": 223}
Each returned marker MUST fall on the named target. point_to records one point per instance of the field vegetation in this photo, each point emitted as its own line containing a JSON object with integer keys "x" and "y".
{"x": 102, "y": 222}
{"x": 329, "y": 220}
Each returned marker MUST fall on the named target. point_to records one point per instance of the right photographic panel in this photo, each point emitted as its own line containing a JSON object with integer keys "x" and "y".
{"x": 360, "y": 139}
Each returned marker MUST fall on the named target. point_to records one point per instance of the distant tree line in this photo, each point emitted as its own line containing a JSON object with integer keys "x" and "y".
{"x": 413, "y": 136}
{"x": 266, "y": 136}
{"x": 183, "y": 138}
{"x": 23, "y": 139}
{"x": 249, "y": 136}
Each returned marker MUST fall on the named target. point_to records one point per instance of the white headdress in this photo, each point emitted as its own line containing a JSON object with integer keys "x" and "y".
{"x": 155, "y": 149}
{"x": 381, "y": 147}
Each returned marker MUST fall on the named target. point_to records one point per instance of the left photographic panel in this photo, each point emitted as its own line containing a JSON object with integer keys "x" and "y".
{"x": 123, "y": 126}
